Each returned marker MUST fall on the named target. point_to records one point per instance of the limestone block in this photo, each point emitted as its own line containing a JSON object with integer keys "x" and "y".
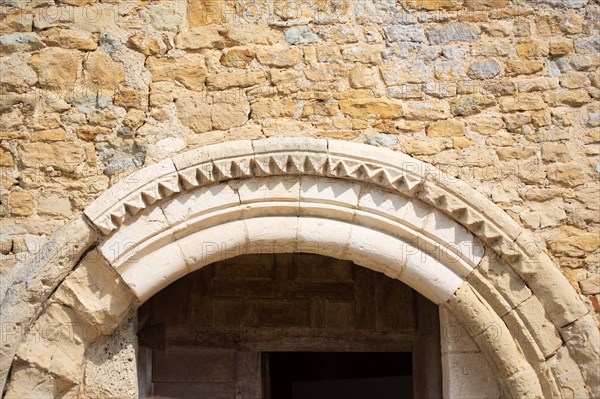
{"x": 369, "y": 108}
{"x": 279, "y": 57}
{"x": 567, "y": 374}
{"x": 124, "y": 243}
{"x": 69, "y": 39}
{"x": 229, "y": 114}
{"x": 454, "y": 31}
{"x": 547, "y": 282}
{"x": 134, "y": 193}
{"x": 204, "y": 38}
{"x": 426, "y": 111}
{"x": 583, "y": 341}
{"x": 487, "y": 69}
{"x": 151, "y": 270}
{"x": 57, "y": 343}
{"x": 213, "y": 244}
{"x": 273, "y": 234}
{"x": 274, "y": 189}
{"x": 19, "y": 42}
{"x": 56, "y": 67}
{"x": 501, "y": 286}
{"x": 60, "y": 155}
{"x": 101, "y": 72}
{"x": 189, "y": 206}
{"x": 195, "y": 112}
{"x": 454, "y": 338}
{"x": 189, "y": 70}
{"x": 447, "y": 128}
{"x": 543, "y": 331}
{"x": 316, "y": 189}
{"x": 222, "y": 81}
{"x": 202, "y": 155}
{"x": 27, "y": 381}
{"x": 471, "y": 104}
{"x": 314, "y": 235}
{"x": 468, "y": 376}
{"x": 453, "y": 236}
{"x": 96, "y": 293}
{"x": 110, "y": 369}
{"x": 237, "y": 58}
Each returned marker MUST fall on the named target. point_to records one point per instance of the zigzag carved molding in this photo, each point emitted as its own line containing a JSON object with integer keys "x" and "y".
{"x": 386, "y": 169}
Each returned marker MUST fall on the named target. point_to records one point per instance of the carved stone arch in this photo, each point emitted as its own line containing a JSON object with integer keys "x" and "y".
{"x": 381, "y": 209}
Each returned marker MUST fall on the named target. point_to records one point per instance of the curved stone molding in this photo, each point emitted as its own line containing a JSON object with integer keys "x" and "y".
{"x": 389, "y": 212}
{"x": 401, "y": 237}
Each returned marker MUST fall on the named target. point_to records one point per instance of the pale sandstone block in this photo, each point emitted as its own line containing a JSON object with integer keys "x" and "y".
{"x": 151, "y": 271}
{"x": 126, "y": 240}
{"x": 315, "y": 236}
{"x": 199, "y": 202}
{"x": 583, "y": 340}
{"x": 322, "y": 190}
{"x": 285, "y": 189}
{"x": 214, "y": 244}
{"x": 468, "y": 376}
{"x": 97, "y": 294}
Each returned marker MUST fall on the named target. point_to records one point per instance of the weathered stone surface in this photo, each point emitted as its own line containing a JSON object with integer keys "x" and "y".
{"x": 97, "y": 294}
{"x": 21, "y": 203}
{"x": 224, "y": 81}
{"x": 109, "y": 369}
{"x": 532, "y": 49}
{"x": 63, "y": 156}
{"x": 583, "y": 341}
{"x": 69, "y": 39}
{"x": 566, "y": 174}
{"x": 121, "y": 155}
{"x": 300, "y": 36}
{"x": 421, "y": 147}
{"x": 148, "y": 44}
{"x": 571, "y": 241}
{"x": 555, "y": 152}
{"x": 426, "y": 111}
{"x": 58, "y": 343}
{"x": 484, "y": 69}
{"x": 101, "y": 72}
{"x": 398, "y": 73}
{"x": 362, "y": 77}
{"x": 544, "y": 218}
{"x": 274, "y": 108}
{"x": 369, "y": 108}
{"x": 237, "y": 58}
{"x": 453, "y": 31}
{"x": 471, "y": 104}
{"x": 195, "y": 113}
{"x": 164, "y": 17}
{"x": 447, "y": 128}
{"x": 514, "y": 67}
{"x": 524, "y": 102}
{"x": 19, "y": 42}
{"x": 56, "y": 68}
{"x": 404, "y": 33}
{"x": 591, "y": 285}
{"x": 228, "y": 114}
{"x": 279, "y": 57}
{"x": 189, "y": 70}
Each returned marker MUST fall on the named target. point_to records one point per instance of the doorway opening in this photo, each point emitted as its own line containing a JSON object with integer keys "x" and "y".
{"x": 277, "y": 326}
{"x": 338, "y": 375}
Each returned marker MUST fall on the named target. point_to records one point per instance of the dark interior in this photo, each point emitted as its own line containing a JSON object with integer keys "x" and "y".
{"x": 340, "y": 375}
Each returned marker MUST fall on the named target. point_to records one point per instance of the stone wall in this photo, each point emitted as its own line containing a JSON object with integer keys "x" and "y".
{"x": 503, "y": 94}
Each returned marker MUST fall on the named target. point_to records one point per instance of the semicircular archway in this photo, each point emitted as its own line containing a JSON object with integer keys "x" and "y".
{"x": 382, "y": 210}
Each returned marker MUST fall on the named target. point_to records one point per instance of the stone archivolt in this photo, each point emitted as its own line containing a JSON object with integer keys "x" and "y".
{"x": 290, "y": 195}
